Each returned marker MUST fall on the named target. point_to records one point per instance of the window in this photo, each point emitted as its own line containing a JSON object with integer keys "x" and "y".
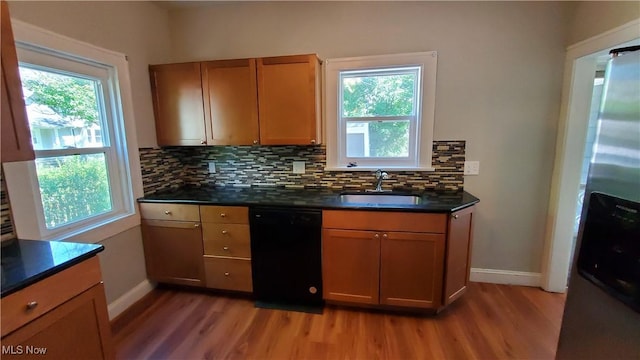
{"x": 379, "y": 111}
{"x": 81, "y": 181}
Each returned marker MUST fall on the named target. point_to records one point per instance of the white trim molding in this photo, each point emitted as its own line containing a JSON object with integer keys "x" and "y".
{"x": 508, "y": 277}
{"x": 119, "y": 305}
{"x": 577, "y": 90}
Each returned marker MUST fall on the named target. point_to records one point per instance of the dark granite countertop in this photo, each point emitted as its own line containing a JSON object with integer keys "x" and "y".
{"x": 430, "y": 201}
{"x": 25, "y": 262}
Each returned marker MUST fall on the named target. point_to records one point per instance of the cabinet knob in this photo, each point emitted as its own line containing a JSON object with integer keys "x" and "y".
{"x": 225, "y": 248}
{"x": 455, "y": 216}
{"x": 196, "y": 225}
{"x": 203, "y": 142}
{"x": 223, "y": 215}
{"x": 32, "y": 305}
{"x": 377, "y": 236}
{"x": 255, "y": 142}
{"x": 384, "y": 236}
{"x": 226, "y": 274}
{"x": 313, "y": 142}
{"x": 167, "y": 212}
{"x": 224, "y": 232}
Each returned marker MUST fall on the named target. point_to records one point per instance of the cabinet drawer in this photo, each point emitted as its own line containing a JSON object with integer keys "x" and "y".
{"x": 228, "y": 274}
{"x": 226, "y": 240}
{"x": 225, "y": 214}
{"x": 178, "y": 212}
{"x": 33, "y": 301}
{"x": 384, "y": 221}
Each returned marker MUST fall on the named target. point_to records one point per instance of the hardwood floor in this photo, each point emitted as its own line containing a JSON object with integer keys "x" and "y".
{"x": 489, "y": 322}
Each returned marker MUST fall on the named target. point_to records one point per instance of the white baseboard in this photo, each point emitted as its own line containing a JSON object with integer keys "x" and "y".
{"x": 129, "y": 298}
{"x": 505, "y": 277}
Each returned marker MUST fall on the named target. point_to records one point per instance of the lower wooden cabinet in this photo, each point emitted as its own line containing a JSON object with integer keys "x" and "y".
{"x": 367, "y": 258}
{"x": 62, "y": 320}
{"x": 350, "y": 265}
{"x": 228, "y": 273}
{"x": 173, "y": 251}
{"x": 411, "y": 269}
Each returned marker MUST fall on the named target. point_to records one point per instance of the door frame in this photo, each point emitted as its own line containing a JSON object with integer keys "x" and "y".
{"x": 577, "y": 92}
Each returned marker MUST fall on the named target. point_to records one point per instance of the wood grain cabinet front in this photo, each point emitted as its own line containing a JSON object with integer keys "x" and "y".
{"x": 178, "y": 104}
{"x": 268, "y": 101}
{"x": 394, "y": 259}
{"x": 227, "y": 247}
{"x": 172, "y": 241}
{"x": 61, "y": 317}
{"x": 15, "y": 132}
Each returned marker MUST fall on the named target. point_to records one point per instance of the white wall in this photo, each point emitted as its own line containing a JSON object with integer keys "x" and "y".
{"x": 595, "y": 17}
{"x": 141, "y": 31}
{"x": 498, "y": 87}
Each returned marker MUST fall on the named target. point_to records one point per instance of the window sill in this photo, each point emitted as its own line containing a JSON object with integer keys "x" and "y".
{"x": 385, "y": 168}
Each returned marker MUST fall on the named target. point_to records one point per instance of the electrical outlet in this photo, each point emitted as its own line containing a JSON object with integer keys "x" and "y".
{"x": 212, "y": 167}
{"x": 298, "y": 167}
{"x": 472, "y": 167}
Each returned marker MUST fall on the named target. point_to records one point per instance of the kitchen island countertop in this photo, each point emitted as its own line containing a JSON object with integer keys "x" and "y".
{"x": 25, "y": 262}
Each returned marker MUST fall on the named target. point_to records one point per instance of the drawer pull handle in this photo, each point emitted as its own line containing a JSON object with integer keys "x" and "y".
{"x": 455, "y": 216}
{"x": 167, "y": 212}
{"x": 196, "y": 225}
{"x": 32, "y": 305}
{"x": 224, "y": 232}
{"x": 226, "y": 274}
{"x": 223, "y": 215}
{"x": 225, "y": 248}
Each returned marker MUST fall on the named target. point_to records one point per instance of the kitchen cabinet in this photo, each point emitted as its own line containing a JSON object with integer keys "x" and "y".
{"x": 231, "y": 102}
{"x": 268, "y": 101}
{"x": 458, "y": 262}
{"x": 172, "y": 240}
{"x": 16, "y": 136}
{"x": 395, "y": 259}
{"x": 227, "y": 247}
{"x": 178, "y": 104}
{"x": 289, "y": 100}
{"x": 64, "y": 315}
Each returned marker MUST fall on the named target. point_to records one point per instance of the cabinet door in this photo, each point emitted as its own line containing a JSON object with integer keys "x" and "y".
{"x": 289, "y": 100}
{"x": 173, "y": 251}
{"x": 231, "y": 102}
{"x": 458, "y": 254}
{"x": 178, "y": 104}
{"x": 350, "y": 265}
{"x": 411, "y": 269}
{"x": 16, "y": 136}
{"x": 77, "y": 329}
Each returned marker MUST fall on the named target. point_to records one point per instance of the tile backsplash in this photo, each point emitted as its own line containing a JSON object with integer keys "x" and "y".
{"x": 173, "y": 167}
{"x": 6, "y": 228}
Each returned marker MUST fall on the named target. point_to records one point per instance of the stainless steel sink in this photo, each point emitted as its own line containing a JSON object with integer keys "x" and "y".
{"x": 381, "y": 198}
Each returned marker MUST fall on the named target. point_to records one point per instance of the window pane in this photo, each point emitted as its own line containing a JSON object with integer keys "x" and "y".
{"x": 73, "y": 188}
{"x": 63, "y": 110}
{"x": 378, "y": 138}
{"x": 378, "y": 94}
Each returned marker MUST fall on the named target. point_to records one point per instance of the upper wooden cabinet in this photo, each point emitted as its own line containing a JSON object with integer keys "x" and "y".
{"x": 16, "y": 136}
{"x": 289, "y": 94}
{"x": 268, "y": 101}
{"x": 177, "y": 104}
{"x": 231, "y": 102}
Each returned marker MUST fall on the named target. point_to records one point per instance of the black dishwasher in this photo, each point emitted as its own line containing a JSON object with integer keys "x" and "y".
{"x": 286, "y": 257}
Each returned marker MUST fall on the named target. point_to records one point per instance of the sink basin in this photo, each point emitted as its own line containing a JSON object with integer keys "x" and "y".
{"x": 381, "y": 198}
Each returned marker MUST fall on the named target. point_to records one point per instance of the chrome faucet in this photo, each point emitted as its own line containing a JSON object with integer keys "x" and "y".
{"x": 380, "y": 175}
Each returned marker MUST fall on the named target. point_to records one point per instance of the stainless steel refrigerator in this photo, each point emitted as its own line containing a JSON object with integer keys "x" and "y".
{"x": 602, "y": 312}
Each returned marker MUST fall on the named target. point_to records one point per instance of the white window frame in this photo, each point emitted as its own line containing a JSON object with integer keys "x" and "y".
{"x": 421, "y": 128}
{"x": 40, "y": 47}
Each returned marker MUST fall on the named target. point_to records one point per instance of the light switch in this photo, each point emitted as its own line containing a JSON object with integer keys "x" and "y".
{"x": 298, "y": 167}
{"x": 472, "y": 167}
{"x": 212, "y": 167}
